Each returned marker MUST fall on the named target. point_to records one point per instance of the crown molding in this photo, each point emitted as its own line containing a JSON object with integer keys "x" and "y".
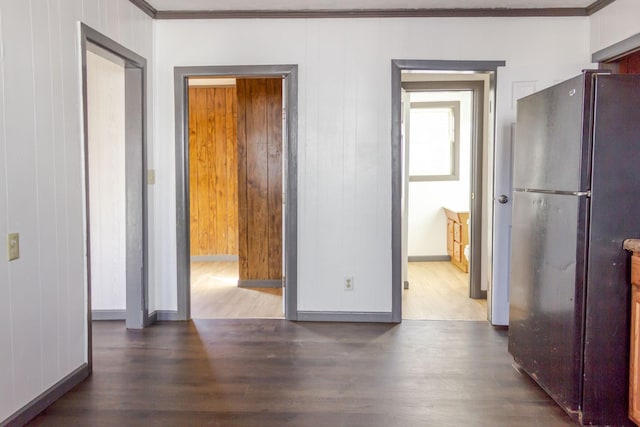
{"x": 371, "y": 13}
{"x": 144, "y": 6}
{"x": 597, "y": 5}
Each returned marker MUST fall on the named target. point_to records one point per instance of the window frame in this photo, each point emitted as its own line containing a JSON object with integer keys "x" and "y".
{"x": 454, "y": 106}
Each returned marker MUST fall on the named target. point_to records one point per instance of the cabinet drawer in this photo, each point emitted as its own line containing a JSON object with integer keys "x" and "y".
{"x": 457, "y": 252}
{"x": 457, "y": 232}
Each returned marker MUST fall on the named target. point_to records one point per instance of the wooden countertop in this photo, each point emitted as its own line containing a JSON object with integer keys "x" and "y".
{"x": 632, "y": 245}
{"x": 455, "y": 215}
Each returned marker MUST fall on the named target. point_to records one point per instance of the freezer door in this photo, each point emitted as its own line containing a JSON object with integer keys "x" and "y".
{"x": 615, "y": 216}
{"x": 546, "y": 292}
{"x": 552, "y": 124}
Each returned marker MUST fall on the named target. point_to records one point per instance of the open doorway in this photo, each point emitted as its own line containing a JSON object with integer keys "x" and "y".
{"x": 440, "y": 135}
{"x": 254, "y": 259}
{"x": 440, "y": 89}
{"x": 113, "y": 88}
{"x": 235, "y": 196}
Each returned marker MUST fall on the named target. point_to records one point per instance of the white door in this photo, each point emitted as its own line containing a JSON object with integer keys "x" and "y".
{"x": 405, "y": 191}
{"x": 285, "y": 156}
{"x": 502, "y": 207}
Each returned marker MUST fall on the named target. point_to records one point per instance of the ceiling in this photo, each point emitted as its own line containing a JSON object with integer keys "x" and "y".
{"x": 172, "y": 9}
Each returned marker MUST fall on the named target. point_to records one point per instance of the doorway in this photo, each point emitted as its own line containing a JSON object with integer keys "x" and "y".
{"x": 113, "y": 89}
{"x": 235, "y": 197}
{"x": 255, "y": 253}
{"x": 443, "y": 127}
{"x": 457, "y": 76}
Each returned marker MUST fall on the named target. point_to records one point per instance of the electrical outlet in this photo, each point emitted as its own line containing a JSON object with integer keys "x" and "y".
{"x": 13, "y": 246}
{"x": 348, "y": 283}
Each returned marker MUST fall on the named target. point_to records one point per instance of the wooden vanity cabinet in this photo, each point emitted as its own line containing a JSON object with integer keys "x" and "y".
{"x": 633, "y": 245}
{"x": 457, "y": 237}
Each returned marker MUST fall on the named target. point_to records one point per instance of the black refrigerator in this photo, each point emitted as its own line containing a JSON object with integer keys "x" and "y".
{"x": 576, "y": 198}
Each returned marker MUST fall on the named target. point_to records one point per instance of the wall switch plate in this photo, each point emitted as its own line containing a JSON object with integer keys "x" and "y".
{"x": 151, "y": 176}
{"x": 348, "y": 283}
{"x": 13, "y": 246}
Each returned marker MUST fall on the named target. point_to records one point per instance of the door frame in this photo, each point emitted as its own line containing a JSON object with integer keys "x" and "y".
{"x": 289, "y": 74}
{"x": 137, "y": 283}
{"x": 397, "y": 175}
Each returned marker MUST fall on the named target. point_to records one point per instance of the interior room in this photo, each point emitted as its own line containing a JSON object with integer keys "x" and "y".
{"x": 104, "y": 321}
{"x": 235, "y": 197}
{"x": 440, "y": 120}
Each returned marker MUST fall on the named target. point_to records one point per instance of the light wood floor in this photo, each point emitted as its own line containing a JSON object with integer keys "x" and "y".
{"x": 437, "y": 291}
{"x": 215, "y": 294}
{"x": 440, "y": 291}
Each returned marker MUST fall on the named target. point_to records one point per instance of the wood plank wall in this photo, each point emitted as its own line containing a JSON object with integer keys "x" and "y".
{"x": 630, "y": 64}
{"x": 213, "y": 179}
{"x": 260, "y": 178}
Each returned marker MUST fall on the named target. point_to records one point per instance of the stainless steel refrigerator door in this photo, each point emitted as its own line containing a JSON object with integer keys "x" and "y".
{"x": 552, "y": 124}
{"x": 546, "y": 291}
{"x": 615, "y": 216}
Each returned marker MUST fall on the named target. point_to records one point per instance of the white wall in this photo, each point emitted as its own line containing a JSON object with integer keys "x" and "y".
{"x": 344, "y": 216}
{"x": 43, "y": 333}
{"x": 614, "y": 23}
{"x": 107, "y": 202}
{"x": 427, "y": 233}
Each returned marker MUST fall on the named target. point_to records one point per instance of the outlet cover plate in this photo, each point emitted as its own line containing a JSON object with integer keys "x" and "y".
{"x": 348, "y": 283}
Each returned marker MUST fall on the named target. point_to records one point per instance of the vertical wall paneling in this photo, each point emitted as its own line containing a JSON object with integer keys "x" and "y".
{"x": 49, "y": 257}
{"x": 194, "y": 229}
{"x": 60, "y": 93}
{"x": 243, "y": 234}
{"x": 255, "y": 124}
{"x": 231, "y": 156}
{"x": 274, "y": 177}
{"x": 213, "y": 173}
{"x": 344, "y": 123}
{"x": 73, "y": 177}
{"x": 630, "y": 64}
{"x": 7, "y": 401}
{"x": 217, "y": 181}
{"x": 43, "y": 328}
{"x": 259, "y": 183}
{"x": 22, "y": 173}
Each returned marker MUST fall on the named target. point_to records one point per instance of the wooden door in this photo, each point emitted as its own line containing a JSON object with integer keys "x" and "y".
{"x": 260, "y": 181}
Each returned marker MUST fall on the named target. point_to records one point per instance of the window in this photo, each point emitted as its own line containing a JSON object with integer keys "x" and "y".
{"x": 433, "y": 135}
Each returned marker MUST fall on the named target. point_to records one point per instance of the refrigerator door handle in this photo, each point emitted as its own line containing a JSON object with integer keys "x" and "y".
{"x": 568, "y": 193}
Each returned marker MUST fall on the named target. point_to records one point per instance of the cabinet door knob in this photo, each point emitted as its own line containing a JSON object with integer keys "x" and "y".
{"x": 503, "y": 199}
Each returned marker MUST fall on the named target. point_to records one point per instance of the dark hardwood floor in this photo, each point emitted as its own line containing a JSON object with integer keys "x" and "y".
{"x": 280, "y": 373}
